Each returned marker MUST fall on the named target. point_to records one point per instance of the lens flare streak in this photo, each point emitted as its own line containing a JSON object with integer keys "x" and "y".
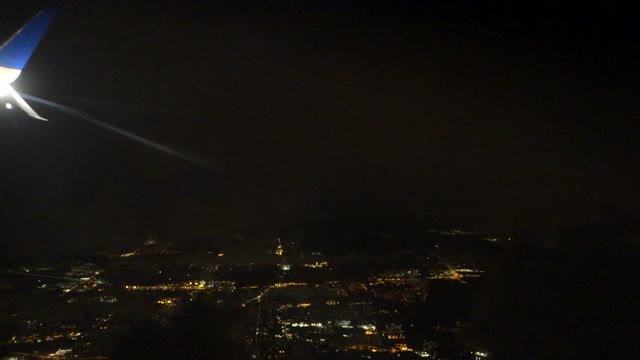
{"x": 137, "y": 138}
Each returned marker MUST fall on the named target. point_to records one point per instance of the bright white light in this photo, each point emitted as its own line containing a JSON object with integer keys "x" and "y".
{"x": 285, "y": 267}
{"x": 367, "y": 327}
{"x": 8, "y": 75}
{"x": 8, "y": 106}
{"x": 345, "y": 324}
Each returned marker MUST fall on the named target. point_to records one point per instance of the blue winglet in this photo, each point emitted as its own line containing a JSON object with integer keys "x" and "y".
{"x": 16, "y": 51}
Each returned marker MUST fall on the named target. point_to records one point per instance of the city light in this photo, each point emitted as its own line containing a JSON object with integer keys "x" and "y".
{"x": 310, "y": 310}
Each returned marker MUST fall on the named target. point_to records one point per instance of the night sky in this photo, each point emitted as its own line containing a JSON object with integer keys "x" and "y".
{"x": 495, "y": 118}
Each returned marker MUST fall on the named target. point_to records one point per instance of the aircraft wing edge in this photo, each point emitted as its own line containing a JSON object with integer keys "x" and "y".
{"x": 23, "y": 104}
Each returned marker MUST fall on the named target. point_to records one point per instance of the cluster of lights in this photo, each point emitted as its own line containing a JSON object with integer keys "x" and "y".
{"x": 282, "y": 285}
{"x": 456, "y": 232}
{"x": 73, "y": 334}
{"x": 408, "y": 273}
{"x": 317, "y": 264}
{"x": 369, "y": 327}
{"x": 401, "y": 347}
{"x": 167, "y": 301}
{"x": 60, "y": 352}
{"x": 108, "y": 299}
{"x": 346, "y": 324}
{"x": 397, "y": 348}
{"x": 285, "y": 267}
{"x": 394, "y": 333}
{"x": 391, "y": 280}
{"x": 363, "y": 347}
{"x": 464, "y": 270}
{"x": 193, "y": 285}
{"x": 303, "y": 324}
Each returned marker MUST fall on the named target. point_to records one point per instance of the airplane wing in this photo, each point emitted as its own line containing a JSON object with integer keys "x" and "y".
{"x": 21, "y": 103}
{"x": 15, "y": 53}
